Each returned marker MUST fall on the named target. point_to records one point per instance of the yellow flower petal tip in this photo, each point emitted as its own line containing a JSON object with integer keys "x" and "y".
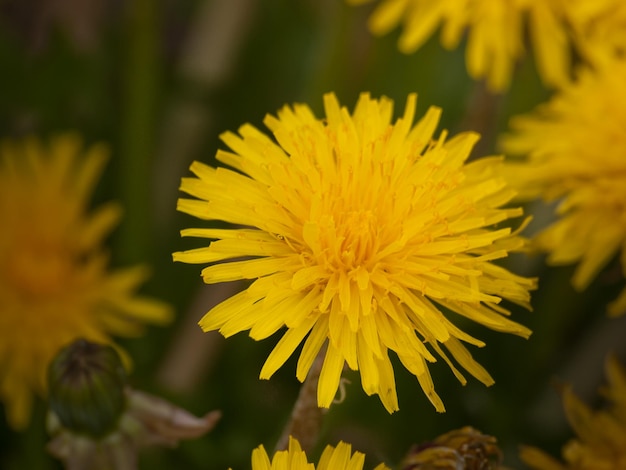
{"x": 54, "y": 282}
{"x": 357, "y": 232}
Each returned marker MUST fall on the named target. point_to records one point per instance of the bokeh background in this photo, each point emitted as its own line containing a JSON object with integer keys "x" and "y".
{"x": 159, "y": 81}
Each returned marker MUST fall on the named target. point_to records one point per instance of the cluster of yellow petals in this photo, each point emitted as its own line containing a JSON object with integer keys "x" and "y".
{"x": 294, "y": 458}
{"x": 496, "y": 30}
{"x": 575, "y": 146}
{"x": 598, "y": 28}
{"x": 601, "y": 435}
{"x": 54, "y": 283}
{"x": 357, "y": 233}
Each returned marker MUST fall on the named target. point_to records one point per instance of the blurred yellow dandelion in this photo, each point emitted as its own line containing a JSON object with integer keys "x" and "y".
{"x": 496, "y": 30}
{"x": 294, "y": 458}
{"x": 54, "y": 285}
{"x": 601, "y": 435}
{"x": 599, "y": 29}
{"x": 576, "y": 153}
{"x": 360, "y": 232}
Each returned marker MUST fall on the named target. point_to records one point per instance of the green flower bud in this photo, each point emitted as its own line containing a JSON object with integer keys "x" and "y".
{"x": 86, "y": 388}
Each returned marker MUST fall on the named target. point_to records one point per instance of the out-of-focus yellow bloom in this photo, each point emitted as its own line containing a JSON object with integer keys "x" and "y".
{"x": 54, "y": 282}
{"x": 576, "y": 152}
{"x": 496, "y": 29}
{"x": 358, "y": 233}
{"x": 601, "y": 435}
{"x": 599, "y": 29}
{"x": 294, "y": 458}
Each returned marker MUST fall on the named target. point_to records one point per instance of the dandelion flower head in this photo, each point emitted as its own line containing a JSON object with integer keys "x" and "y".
{"x": 359, "y": 233}
{"x": 54, "y": 282}
{"x": 600, "y": 434}
{"x": 575, "y": 148}
{"x": 294, "y": 458}
{"x": 599, "y": 29}
{"x": 496, "y": 32}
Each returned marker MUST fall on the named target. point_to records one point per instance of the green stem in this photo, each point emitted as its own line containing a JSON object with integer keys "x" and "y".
{"x": 306, "y": 418}
{"x": 138, "y": 128}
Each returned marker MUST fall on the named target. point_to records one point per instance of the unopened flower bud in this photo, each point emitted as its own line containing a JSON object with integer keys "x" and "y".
{"x": 465, "y": 448}
{"x": 86, "y": 388}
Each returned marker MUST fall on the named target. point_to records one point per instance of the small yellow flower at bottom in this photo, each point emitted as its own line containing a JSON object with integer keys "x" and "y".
{"x": 358, "y": 234}
{"x": 294, "y": 458}
{"x": 54, "y": 282}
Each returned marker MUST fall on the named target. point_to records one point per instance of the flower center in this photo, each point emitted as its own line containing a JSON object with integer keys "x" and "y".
{"x": 38, "y": 270}
{"x": 356, "y": 235}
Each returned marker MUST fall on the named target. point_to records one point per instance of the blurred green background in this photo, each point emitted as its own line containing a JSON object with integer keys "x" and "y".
{"x": 159, "y": 81}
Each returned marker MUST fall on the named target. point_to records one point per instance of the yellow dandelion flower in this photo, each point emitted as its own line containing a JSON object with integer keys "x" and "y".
{"x": 576, "y": 148}
{"x": 294, "y": 458}
{"x": 495, "y": 32}
{"x": 599, "y": 29}
{"x": 601, "y": 435}
{"x": 54, "y": 285}
{"x": 359, "y": 233}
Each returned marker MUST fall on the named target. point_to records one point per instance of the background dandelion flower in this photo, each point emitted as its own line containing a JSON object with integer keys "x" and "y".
{"x": 294, "y": 458}
{"x": 495, "y": 33}
{"x": 599, "y": 29}
{"x": 54, "y": 283}
{"x": 576, "y": 152}
{"x": 600, "y": 434}
{"x": 359, "y": 233}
